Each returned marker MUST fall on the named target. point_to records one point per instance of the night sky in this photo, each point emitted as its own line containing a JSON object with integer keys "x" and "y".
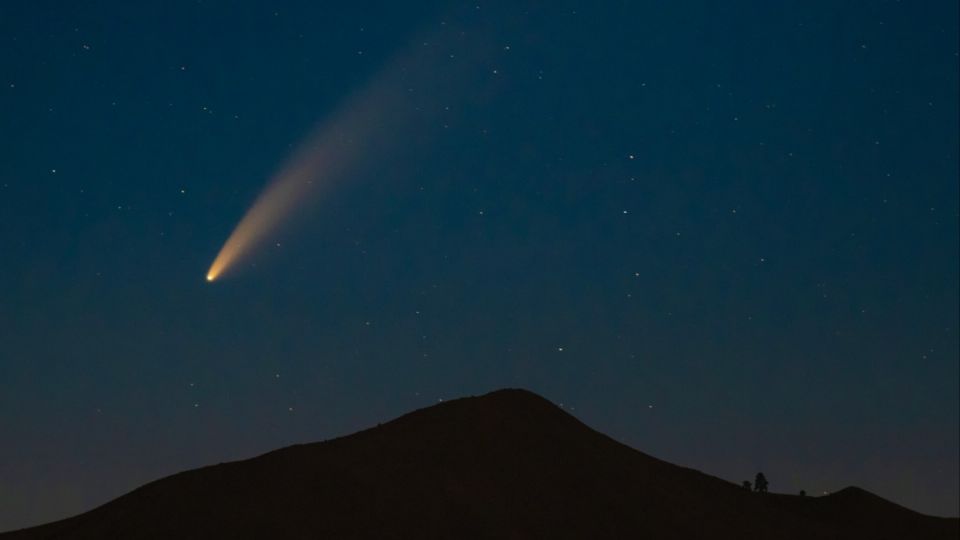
{"x": 724, "y": 233}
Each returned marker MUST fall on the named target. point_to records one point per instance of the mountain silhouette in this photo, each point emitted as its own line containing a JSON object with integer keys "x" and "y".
{"x": 508, "y": 464}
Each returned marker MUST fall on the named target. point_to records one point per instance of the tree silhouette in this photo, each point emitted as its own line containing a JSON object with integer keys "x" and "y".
{"x": 746, "y": 485}
{"x": 803, "y": 493}
{"x": 760, "y": 483}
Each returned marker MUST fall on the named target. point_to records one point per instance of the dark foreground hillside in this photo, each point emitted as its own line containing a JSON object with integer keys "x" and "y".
{"x": 504, "y": 465}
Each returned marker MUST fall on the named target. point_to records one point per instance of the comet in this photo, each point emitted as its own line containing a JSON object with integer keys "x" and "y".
{"x": 278, "y": 200}
{"x": 360, "y": 124}
{"x": 407, "y": 95}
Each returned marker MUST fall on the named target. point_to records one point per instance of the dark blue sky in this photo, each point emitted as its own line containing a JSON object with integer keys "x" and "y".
{"x": 724, "y": 233}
